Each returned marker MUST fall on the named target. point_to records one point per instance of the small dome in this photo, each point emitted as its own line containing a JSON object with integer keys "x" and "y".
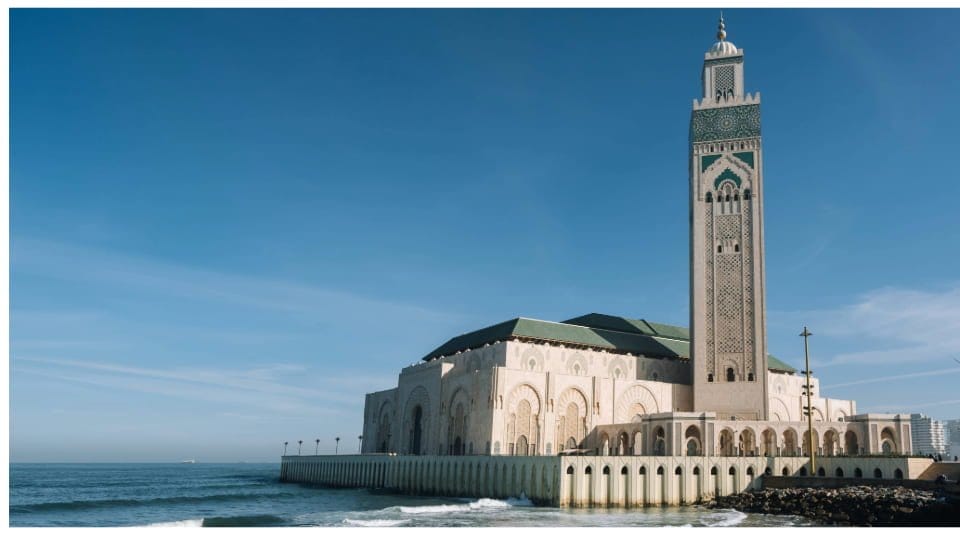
{"x": 723, "y": 48}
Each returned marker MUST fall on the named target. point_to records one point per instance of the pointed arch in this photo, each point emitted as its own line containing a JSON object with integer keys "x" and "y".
{"x": 637, "y": 399}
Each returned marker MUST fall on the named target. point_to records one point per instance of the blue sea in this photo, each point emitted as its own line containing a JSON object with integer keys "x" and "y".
{"x": 250, "y": 494}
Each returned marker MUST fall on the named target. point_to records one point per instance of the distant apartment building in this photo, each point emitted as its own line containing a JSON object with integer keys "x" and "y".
{"x": 929, "y": 435}
{"x": 953, "y": 436}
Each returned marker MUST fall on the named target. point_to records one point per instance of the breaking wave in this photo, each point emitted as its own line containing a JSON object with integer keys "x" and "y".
{"x": 478, "y": 505}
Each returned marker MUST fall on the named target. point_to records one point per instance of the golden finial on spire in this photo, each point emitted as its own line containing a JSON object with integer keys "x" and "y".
{"x": 721, "y": 32}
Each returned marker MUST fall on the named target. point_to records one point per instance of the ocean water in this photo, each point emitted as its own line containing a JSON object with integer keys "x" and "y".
{"x": 242, "y": 494}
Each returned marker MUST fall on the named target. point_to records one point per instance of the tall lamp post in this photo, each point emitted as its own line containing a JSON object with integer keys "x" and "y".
{"x": 337, "y": 449}
{"x": 360, "y": 444}
{"x": 284, "y": 448}
{"x": 809, "y": 408}
{"x": 299, "y": 444}
{"x": 316, "y": 450}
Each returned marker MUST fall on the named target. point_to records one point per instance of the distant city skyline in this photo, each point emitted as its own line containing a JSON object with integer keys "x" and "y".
{"x": 227, "y": 226}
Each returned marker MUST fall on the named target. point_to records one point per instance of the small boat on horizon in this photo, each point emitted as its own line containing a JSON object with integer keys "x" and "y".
{"x": 189, "y": 461}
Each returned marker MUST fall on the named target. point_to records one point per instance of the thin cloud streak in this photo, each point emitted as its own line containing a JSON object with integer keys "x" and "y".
{"x": 908, "y": 406}
{"x": 898, "y": 325}
{"x": 895, "y": 377}
{"x": 248, "y": 381}
{"x": 82, "y": 264}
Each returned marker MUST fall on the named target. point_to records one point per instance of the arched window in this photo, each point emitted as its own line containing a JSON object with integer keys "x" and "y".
{"x": 857, "y": 473}
{"x": 643, "y": 470}
{"x": 746, "y": 194}
{"x": 785, "y": 472}
{"x": 570, "y": 469}
{"x": 710, "y": 377}
{"x": 803, "y": 471}
{"x": 750, "y": 376}
{"x": 821, "y": 472}
{"x": 589, "y": 470}
{"x": 606, "y": 469}
{"x": 877, "y": 473}
{"x": 713, "y": 471}
{"x": 719, "y": 249}
{"x": 730, "y": 375}
{"x": 898, "y": 474}
{"x": 696, "y": 471}
{"x": 767, "y": 472}
{"x": 623, "y": 470}
{"x": 736, "y": 196}
{"x": 727, "y": 198}
{"x": 736, "y": 248}
{"x": 838, "y": 473}
{"x": 749, "y": 471}
{"x": 678, "y": 471}
{"x": 709, "y": 197}
{"x": 732, "y": 471}
{"x": 660, "y": 471}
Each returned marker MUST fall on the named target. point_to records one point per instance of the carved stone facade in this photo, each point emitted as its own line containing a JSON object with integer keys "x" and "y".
{"x": 612, "y": 385}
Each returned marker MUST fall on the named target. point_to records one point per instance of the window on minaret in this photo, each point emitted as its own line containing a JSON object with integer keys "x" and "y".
{"x": 723, "y": 82}
{"x": 730, "y": 375}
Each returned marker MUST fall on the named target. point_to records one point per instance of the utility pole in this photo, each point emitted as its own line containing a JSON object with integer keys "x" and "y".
{"x": 809, "y": 408}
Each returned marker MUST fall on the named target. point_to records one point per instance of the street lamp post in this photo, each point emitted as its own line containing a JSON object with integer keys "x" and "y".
{"x": 284, "y": 448}
{"x": 337, "y": 449}
{"x": 809, "y": 409}
{"x": 360, "y": 444}
{"x": 316, "y": 450}
{"x": 299, "y": 444}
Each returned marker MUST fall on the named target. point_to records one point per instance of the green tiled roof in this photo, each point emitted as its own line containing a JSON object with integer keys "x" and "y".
{"x": 601, "y": 338}
{"x": 637, "y": 336}
{"x": 776, "y": 364}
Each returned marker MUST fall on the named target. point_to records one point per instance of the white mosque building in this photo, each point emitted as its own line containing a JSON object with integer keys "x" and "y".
{"x": 612, "y": 385}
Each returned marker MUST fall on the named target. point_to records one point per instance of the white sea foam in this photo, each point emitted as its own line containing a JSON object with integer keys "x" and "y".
{"x": 375, "y": 522}
{"x": 183, "y": 523}
{"x": 478, "y": 505}
{"x": 731, "y": 518}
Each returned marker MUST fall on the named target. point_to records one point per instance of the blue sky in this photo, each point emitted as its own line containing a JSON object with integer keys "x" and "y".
{"x": 227, "y": 226}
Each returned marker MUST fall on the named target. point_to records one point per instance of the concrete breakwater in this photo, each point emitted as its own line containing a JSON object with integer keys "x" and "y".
{"x": 851, "y": 505}
{"x": 580, "y": 481}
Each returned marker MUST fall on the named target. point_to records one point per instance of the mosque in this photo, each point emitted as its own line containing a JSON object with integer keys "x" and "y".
{"x": 602, "y": 384}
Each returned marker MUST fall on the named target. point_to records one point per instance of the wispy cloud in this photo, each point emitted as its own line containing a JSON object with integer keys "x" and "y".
{"x": 893, "y": 326}
{"x": 898, "y": 407}
{"x": 255, "y": 389}
{"x": 83, "y": 264}
{"x": 899, "y": 377}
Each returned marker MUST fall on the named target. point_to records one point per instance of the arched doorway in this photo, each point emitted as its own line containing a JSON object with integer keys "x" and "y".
{"x": 659, "y": 442}
{"x": 831, "y": 443}
{"x": 888, "y": 442}
{"x": 417, "y": 435}
{"x": 523, "y": 447}
{"x": 692, "y": 436}
{"x": 623, "y": 446}
{"x": 789, "y": 442}
{"x": 769, "y": 443}
{"x": 726, "y": 443}
{"x": 850, "y": 443}
{"x": 747, "y": 443}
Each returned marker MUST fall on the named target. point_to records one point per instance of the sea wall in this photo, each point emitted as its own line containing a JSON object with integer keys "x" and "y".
{"x": 501, "y": 477}
{"x": 581, "y": 481}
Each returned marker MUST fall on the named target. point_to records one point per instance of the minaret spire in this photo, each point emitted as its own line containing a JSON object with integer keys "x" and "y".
{"x": 721, "y": 28}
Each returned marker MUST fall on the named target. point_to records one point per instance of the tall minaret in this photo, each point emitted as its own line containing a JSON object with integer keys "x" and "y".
{"x": 727, "y": 306}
